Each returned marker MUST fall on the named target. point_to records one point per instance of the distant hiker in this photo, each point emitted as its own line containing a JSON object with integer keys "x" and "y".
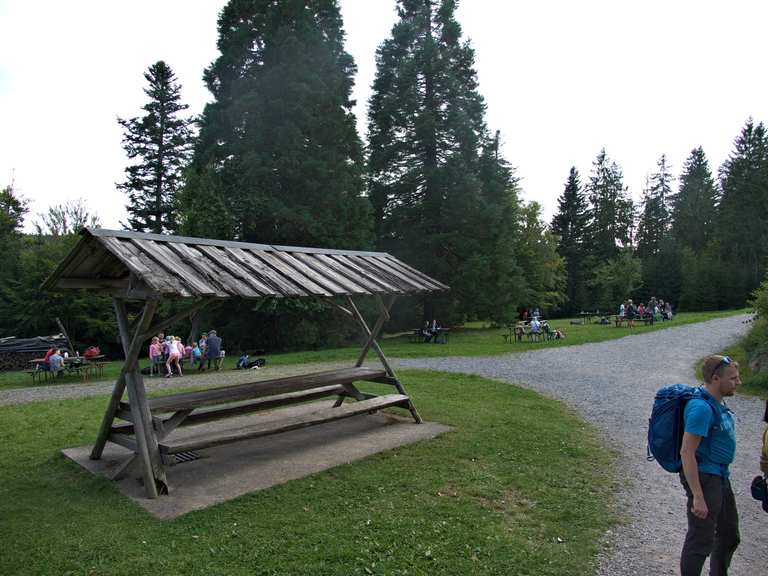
{"x": 708, "y": 448}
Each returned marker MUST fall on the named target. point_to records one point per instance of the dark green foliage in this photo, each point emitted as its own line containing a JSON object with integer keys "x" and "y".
{"x": 571, "y": 225}
{"x": 740, "y": 225}
{"x": 159, "y": 143}
{"x": 25, "y": 310}
{"x": 656, "y": 248}
{"x": 694, "y": 207}
{"x": 13, "y": 208}
{"x": 615, "y": 280}
{"x": 443, "y": 199}
{"x": 543, "y": 268}
{"x": 279, "y": 159}
{"x": 612, "y": 210}
{"x": 654, "y": 220}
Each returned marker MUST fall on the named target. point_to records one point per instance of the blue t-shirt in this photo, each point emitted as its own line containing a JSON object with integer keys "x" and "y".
{"x": 718, "y": 443}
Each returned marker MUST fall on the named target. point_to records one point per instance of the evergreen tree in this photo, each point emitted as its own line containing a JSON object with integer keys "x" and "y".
{"x": 160, "y": 141}
{"x": 543, "y": 268}
{"x": 278, "y": 158}
{"x": 654, "y": 220}
{"x": 612, "y": 210}
{"x": 571, "y": 224}
{"x": 694, "y": 208}
{"x": 743, "y": 213}
{"x": 13, "y": 208}
{"x": 443, "y": 199}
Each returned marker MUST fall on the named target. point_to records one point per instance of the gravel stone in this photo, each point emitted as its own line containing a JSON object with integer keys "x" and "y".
{"x": 611, "y": 385}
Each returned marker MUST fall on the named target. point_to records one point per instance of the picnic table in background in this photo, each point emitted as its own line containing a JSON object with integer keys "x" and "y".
{"x": 79, "y": 365}
{"x": 424, "y": 335}
{"x": 586, "y": 317}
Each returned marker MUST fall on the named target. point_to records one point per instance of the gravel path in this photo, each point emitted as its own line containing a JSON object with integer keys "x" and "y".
{"x": 153, "y": 383}
{"x": 611, "y": 384}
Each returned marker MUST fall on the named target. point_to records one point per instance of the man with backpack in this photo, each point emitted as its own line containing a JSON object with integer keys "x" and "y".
{"x": 708, "y": 447}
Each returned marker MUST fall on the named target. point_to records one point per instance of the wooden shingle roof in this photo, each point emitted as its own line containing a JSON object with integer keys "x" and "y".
{"x": 153, "y": 265}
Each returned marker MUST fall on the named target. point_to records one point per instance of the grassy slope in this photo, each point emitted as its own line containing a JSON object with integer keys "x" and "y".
{"x": 519, "y": 483}
{"x": 472, "y": 340}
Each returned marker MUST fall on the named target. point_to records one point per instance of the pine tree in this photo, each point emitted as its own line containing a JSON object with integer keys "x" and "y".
{"x": 160, "y": 141}
{"x": 612, "y": 210}
{"x": 442, "y": 197}
{"x": 571, "y": 224}
{"x": 278, "y": 158}
{"x": 694, "y": 207}
{"x": 743, "y": 213}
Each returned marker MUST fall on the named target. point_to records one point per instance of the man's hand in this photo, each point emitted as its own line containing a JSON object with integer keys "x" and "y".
{"x": 699, "y": 508}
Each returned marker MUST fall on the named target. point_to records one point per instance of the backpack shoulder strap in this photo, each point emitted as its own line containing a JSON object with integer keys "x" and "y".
{"x": 713, "y": 404}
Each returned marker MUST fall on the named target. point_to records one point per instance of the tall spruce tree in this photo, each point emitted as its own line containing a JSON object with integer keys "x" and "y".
{"x": 743, "y": 213}
{"x": 160, "y": 142}
{"x": 571, "y": 225}
{"x": 694, "y": 206}
{"x": 655, "y": 218}
{"x": 612, "y": 209}
{"x": 443, "y": 198}
{"x": 278, "y": 158}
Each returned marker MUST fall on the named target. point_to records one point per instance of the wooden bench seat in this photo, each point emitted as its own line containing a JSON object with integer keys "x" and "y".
{"x": 227, "y": 394}
{"x": 229, "y": 409}
{"x": 226, "y": 433}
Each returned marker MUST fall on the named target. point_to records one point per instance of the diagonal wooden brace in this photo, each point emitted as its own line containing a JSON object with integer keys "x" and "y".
{"x": 372, "y": 343}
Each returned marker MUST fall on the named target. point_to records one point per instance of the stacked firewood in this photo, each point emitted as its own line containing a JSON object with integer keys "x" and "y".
{"x": 16, "y": 353}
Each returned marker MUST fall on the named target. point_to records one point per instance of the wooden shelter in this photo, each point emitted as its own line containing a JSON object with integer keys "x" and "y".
{"x": 149, "y": 268}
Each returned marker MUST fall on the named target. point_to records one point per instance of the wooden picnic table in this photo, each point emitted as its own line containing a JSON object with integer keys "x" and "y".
{"x": 79, "y": 365}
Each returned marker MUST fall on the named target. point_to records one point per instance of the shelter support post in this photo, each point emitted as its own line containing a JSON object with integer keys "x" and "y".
{"x": 371, "y": 342}
{"x": 132, "y": 339}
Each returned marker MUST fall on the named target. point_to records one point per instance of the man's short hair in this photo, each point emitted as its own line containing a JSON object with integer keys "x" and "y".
{"x": 715, "y": 365}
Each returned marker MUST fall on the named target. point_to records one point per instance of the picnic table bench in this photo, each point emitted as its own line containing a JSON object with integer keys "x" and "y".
{"x": 418, "y": 335}
{"x": 517, "y": 332}
{"x": 190, "y": 408}
{"x": 79, "y": 365}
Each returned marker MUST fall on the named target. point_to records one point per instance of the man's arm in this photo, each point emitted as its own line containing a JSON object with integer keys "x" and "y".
{"x": 691, "y": 471}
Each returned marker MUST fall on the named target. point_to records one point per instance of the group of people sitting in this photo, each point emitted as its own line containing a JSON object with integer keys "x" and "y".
{"x": 656, "y": 310}
{"x": 54, "y": 361}
{"x": 431, "y": 330}
{"x": 171, "y": 352}
{"x": 542, "y": 327}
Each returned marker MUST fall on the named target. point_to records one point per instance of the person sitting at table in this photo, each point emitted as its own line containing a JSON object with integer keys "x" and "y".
{"x": 51, "y": 351}
{"x": 56, "y": 362}
{"x": 535, "y": 325}
{"x": 434, "y": 330}
{"x": 630, "y": 313}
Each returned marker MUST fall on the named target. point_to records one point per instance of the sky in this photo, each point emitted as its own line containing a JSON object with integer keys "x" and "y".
{"x": 561, "y": 80}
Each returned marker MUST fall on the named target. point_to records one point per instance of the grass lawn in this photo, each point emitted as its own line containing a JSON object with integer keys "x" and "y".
{"x": 474, "y": 339}
{"x": 521, "y": 486}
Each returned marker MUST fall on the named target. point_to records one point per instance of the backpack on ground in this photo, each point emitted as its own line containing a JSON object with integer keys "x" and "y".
{"x": 666, "y": 426}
